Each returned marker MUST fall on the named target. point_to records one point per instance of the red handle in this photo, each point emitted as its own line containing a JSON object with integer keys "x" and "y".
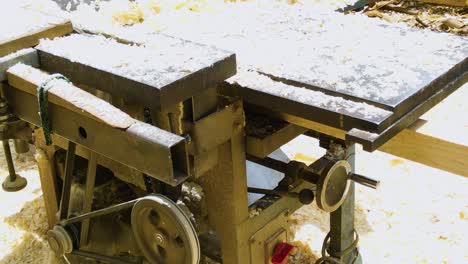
{"x": 281, "y": 253}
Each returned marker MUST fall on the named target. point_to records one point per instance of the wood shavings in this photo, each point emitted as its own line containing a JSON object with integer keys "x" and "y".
{"x": 23, "y": 221}
{"x": 435, "y": 17}
{"x": 453, "y": 23}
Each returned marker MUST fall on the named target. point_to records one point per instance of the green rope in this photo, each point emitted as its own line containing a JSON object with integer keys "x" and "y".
{"x": 42, "y": 91}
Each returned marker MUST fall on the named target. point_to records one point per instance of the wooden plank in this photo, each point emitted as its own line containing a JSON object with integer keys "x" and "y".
{"x": 446, "y": 2}
{"x": 415, "y": 143}
{"x": 46, "y": 166}
{"x": 30, "y": 40}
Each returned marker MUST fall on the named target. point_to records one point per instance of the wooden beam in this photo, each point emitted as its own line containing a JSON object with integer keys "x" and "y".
{"x": 416, "y": 144}
{"x": 422, "y": 142}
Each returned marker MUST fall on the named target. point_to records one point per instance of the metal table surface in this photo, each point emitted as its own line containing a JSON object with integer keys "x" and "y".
{"x": 159, "y": 74}
{"x": 345, "y": 71}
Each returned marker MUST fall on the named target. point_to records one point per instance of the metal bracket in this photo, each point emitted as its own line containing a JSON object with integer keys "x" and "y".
{"x": 215, "y": 129}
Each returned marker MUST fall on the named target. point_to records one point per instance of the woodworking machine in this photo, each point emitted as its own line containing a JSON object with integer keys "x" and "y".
{"x": 142, "y": 158}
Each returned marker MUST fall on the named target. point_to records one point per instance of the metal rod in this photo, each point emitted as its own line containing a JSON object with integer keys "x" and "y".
{"x": 307, "y": 174}
{"x": 88, "y": 196}
{"x": 67, "y": 180}
{"x": 105, "y": 211}
{"x": 272, "y": 192}
{"x": 9, "y": 160}
{"x": 92, "y": 255}
{"x": 364, "y": 180}
{"x": 305, "y": 196}
{"x": 268, "y": 162}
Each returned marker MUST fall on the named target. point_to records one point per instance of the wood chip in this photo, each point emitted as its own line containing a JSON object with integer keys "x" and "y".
{"x": 382, "y": 4}
{"x": 373, "y": 13}
{"x": 424, "y": 24}
{"x": 401, "y": 10}
{"x": 453, "y": 23}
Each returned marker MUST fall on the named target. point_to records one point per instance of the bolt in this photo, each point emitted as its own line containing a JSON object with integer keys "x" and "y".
{"x": 160, "y": 239}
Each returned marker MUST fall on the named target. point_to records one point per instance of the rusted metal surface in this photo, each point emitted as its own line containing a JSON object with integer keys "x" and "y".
{"x": 261, "y": 141}
{"x": 134, "y": 144}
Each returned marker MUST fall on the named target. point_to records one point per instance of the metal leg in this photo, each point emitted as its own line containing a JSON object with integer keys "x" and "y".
{"x": 13, "y": 182}
{"x": 67, "y": 180}
{"x": 21, "y": 146}
{"x": 342, "y": 221}
{"x": 225, "y": 188}
{"x": 88, "y": 197}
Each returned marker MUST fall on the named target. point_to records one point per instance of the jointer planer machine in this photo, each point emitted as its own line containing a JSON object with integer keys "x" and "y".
{"x": 141, "y": 145}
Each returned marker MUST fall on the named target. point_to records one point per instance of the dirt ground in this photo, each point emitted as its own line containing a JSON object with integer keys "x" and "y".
{"x": 419, "y": 215}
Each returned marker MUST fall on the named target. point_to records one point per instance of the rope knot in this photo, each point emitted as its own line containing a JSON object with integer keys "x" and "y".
{"x": 42, "y": 99}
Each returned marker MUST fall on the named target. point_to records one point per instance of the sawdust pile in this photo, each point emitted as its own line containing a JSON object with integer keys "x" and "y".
{"x": 23, "y": 220}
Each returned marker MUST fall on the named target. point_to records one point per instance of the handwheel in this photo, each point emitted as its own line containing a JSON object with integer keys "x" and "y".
{"x": 333, "y": 186}
{"x": 163, "y": 232}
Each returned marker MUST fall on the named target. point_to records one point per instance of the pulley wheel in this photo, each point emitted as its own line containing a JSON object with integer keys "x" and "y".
{"x": 163, "y": 232}
{"x": 333, "y": 186}
{"x": 59, "y": 240}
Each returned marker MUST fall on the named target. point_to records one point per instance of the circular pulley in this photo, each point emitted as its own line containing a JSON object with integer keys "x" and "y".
{"x": 59, "y": 240}
{"x": 333, "y": 186}
{"x": 163, "y": 232}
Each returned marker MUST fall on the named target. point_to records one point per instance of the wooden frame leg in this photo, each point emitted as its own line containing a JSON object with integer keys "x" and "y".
{"x": 47, "y": 174}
